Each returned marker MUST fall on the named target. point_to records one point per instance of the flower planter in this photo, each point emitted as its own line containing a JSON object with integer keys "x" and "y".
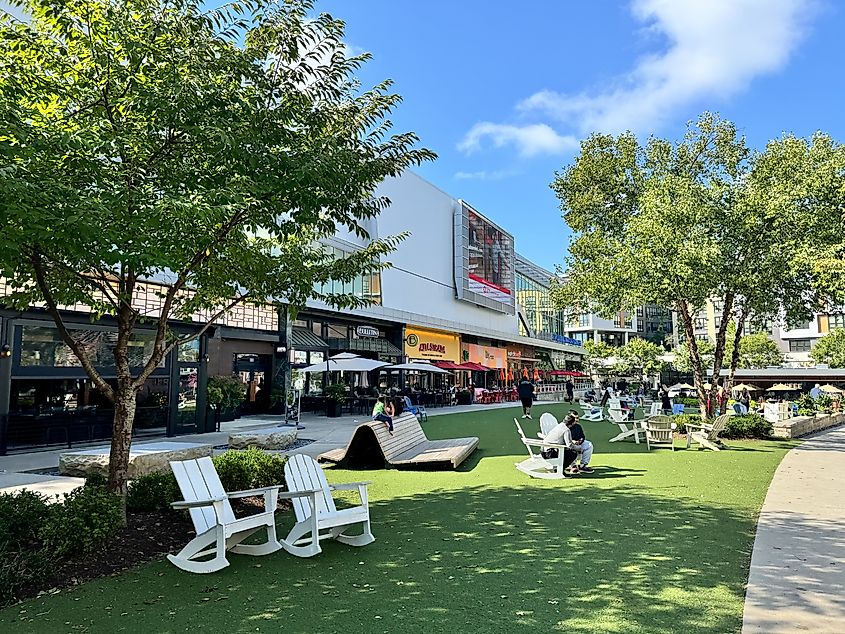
{"x": 334, "y": 409}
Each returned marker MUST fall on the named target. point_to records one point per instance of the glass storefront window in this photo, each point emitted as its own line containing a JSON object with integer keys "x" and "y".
{"x": 317, "y": 357}
{"x": 366, "y": 286}
{"x": 42, "y": 346}
{"x": 300, "y": 357}
{"x": 189, "y": 352}
{"x": 537, "y": 307}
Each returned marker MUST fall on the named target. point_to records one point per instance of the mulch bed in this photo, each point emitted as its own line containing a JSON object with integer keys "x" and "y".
{"x": 148, "y": 536}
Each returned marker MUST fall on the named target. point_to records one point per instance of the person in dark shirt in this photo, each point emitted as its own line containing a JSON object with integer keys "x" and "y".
{"x": 525, "y": 389}
{"x": 580, "y": 443}
{"x": 570, "y": 390}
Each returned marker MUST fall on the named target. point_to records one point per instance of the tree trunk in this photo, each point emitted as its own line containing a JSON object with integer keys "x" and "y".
{"x": 124, "y": 417}
{"x": 695, "y": 358}
{"x": 719, "y": 352}
{"x": 740, "y": 326}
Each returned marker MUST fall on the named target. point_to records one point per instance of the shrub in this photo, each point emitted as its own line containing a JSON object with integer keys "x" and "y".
{"x": 86, "y": 520}
{"x": 689, "y": 401}
{"x": 682, "y": 419}
{"x": 226, "y": 392}
{"x": 152, "y": 492}
{"x": 824, "y": 402}
{"x": 249, "y": 469}
{"x": 21, "y": 560}
{"x": 96, "y": 481}
{"x": 747, "y": 426}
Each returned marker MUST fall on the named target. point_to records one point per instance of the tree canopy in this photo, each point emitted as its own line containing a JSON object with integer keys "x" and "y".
{"x": 830, "y": 349}
{"x": 640, "y": 356}
{"x": 210, "y": 149}
{"x": 677, "y": 224}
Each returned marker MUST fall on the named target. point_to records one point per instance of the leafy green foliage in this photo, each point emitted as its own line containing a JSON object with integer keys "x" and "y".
{"x": 747, "y": 426}
{"x": 250, "y": 469}
{"x": 85, "y": 521}
{"x": 830, "y": 349}
{"x": 681, "y": 421}
{"x": 806, "y": 405}
{"x": 679, "y": 224}
{"x": 152, "y": 492}
{"x": 596, "y": 355}
{"x": 216, "y": 149}
{"x": 227, "y": 392}
{"x": 337, "y": 392}
{"x": 758, "y": 351}
{"x": 640, "y": 356}
{"x": 824, "y": 402}
{"x": 683, "y": 362}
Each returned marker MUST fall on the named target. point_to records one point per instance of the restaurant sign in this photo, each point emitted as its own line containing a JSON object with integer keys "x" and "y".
{"x": 366, "y": 331}
{"x": 430, "y": 344}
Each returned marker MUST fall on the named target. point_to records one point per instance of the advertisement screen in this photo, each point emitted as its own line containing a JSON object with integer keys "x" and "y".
{"x": 485, "y": 261}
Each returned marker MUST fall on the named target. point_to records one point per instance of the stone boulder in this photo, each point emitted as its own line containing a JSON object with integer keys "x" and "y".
{"x": 143, "y": 459}
{"x": 267, "y": 438}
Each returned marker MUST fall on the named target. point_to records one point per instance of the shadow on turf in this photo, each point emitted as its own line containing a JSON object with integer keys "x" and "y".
{"x": 498, "y": 559}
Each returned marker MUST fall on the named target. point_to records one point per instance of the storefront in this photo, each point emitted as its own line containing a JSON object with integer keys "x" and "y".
{"x": 491, "y": 357}
{"x": 46, "y": 397}
{"x": 433, "y": 346}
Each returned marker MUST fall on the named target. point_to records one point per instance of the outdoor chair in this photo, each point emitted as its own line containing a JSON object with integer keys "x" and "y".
{"x": 627, "y": 428}
{"x": 323, "y": 520}
{"x": 677, "y": 408}
{"x": 591, "y": 412}
{"x": 536, "y": 466}
{"x": 659, "y": 432}
{"x": 707, "y": 435}
{"x": 547, "y": 423}
{"x": 217, "y": 528}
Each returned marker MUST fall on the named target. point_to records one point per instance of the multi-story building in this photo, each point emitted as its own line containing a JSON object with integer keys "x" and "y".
{"x": 615, "y": 332}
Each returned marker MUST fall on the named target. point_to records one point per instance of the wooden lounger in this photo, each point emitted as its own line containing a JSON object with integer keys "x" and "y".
{"x": 372, "y": 447}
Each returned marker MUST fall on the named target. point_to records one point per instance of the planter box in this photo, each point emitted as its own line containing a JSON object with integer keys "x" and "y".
{"x": 803, "y": 425}
{"x": 333, "y": 409}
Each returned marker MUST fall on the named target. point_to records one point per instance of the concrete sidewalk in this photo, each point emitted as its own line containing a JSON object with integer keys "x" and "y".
{"x": 327, "y": 433}
{"x": 797, "y": 577}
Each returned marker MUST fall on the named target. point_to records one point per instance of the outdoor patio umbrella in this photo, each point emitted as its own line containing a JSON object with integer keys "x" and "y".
{"x": 831, "y": 389}
{"x": 345, "y": 362}
{"x": 782, "y": 387}
{"x": 536, "y": 374}
{"x": 501, "y": 374}
{"x": 681, "y": 386}
{"x": 525, "y": 373}
{"x": 745, "y": 386}
{"x": 420, "y": 366}
{"x": 510, "y": 375}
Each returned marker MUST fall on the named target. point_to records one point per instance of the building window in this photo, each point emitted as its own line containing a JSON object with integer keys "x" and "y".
{"x": 366, "y": 286}
{"x": 799, "y": 345}
{"x": 42, "y": 346}
{"x": 300, "y": 357}
{"x": 836, "y": 321}
{"x": 804, "y": 325}
{"x": 539, "y": 312}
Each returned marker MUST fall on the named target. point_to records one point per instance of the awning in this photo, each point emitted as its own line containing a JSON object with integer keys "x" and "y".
{"x": 469, "y": 367}
{"x": 573, "y": 373}
{"x": 447, "y": 365}
{"x": 304, "y": 339}
{"x": 365, "y": 344}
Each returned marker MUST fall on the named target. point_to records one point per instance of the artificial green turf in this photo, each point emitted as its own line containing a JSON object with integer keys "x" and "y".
{"x": 652, "y": 542}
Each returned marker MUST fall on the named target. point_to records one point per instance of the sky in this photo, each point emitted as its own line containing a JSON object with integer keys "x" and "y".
{"x": 504, "y": 92}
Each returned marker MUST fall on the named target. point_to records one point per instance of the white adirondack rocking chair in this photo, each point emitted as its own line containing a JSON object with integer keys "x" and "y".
{"x": 547, "y": 423}
{"x": 659, "y": 432}
{"x": 302, "y": 473}
{"x": 627, "y": 428}
{"x": 591, "y": 412}
{"x": 654, "y": 410}
{"x": 218, "y": 530}
{"x": 707, "y": 435}
{"x": 535, "y": 465}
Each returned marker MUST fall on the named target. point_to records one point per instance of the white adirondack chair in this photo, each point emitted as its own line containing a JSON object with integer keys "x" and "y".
{"x": 302, "y": 473}
{"x": 654, "y": 409}
{"x": 535, "y": 465}
{"x": 627, "y": 428}
{"x": 547, "y": 423}
{"x": 591, "y": 412}
{"x": 218, "y": 530}
{"x": 707, "y": 435}
{"x": 659, "y": 431}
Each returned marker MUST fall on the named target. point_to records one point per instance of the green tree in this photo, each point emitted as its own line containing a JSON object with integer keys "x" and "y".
{"x": 678, "y": 224}
{"x": 758, "y": 351}
{"x": 214, "y": 150}
{"x": 830, "y": 349}
{"x": 597, "y": 355}
{"x": 683, "y": 361}
{"x": 640, "y": 356}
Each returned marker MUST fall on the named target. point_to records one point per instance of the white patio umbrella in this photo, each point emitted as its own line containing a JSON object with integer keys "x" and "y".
{"x": 420, "y": 366}
{"x": 831, "y": 389}
{"x": 745, "y": 386}
{"x": 681, "y": 386}
{"x": 781, "y": 387}
{"x": 345, "y": 362}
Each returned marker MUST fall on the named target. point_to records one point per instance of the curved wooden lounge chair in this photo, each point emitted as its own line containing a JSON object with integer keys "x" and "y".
{"x": 372, "y": 446}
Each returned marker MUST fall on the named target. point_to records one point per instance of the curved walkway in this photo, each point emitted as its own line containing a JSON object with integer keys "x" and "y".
{"x": 797, "y": 577}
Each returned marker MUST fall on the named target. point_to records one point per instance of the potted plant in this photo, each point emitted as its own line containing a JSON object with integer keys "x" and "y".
{"x": 225, "y": 395}
{"x": 824, "y": 403}
{"x": 335, "y": 398}
{"x": 806, "y": 405}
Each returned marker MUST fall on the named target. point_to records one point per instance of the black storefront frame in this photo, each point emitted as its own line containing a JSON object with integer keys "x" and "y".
{"x": 11, "y": 333}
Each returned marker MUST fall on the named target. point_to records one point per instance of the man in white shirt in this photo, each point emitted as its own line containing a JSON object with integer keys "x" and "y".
{"x": 560, "y": 435}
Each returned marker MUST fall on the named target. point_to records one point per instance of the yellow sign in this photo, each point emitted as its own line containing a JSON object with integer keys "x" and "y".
{"x": 430, "y": 344}
{"x": 486, "y": 356}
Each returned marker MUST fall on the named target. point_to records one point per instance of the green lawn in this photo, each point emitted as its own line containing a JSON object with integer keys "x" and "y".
{"x": 655, "y": 542}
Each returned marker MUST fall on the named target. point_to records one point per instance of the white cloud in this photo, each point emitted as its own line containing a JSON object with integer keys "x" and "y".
{"x": 529, "y": 140}
{"x": 716, "y": 48}
{"x": 484, "y": 175}
{"x": 708, "y": 51}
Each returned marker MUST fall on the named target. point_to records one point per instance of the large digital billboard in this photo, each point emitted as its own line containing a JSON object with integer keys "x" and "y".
{"x": 484, "y": 261}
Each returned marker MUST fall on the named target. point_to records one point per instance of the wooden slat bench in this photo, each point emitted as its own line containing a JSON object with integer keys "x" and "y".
{"x": 372, "y": 446}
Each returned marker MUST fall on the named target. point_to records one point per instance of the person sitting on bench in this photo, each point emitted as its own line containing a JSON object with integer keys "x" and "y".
{"x": 378, "y": 414}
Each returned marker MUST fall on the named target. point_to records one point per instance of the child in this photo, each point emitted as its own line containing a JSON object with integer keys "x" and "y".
{"x": 378, "y": 414}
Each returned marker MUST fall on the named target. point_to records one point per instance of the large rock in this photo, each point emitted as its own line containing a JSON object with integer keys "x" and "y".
{"x": 268, "y": 438}
{"x": 143, "y": 459}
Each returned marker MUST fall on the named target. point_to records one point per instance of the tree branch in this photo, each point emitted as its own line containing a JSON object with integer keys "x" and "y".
{"x": 40, "y": 278}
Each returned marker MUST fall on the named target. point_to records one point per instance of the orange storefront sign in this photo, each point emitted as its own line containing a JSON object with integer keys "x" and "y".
{"x": 490, "y": 357}
{"x": 430, "y": 344}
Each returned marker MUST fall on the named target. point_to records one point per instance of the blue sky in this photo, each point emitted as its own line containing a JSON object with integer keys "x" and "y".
{"x": 504, "y": 91}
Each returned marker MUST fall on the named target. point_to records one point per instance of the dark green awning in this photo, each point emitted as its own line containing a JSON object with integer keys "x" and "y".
{"x": 304, "y": 339}
{"x": 365, "y": 344}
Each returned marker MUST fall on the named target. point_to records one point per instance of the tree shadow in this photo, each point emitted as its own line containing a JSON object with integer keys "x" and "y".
{"x": 479, "y": 559}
